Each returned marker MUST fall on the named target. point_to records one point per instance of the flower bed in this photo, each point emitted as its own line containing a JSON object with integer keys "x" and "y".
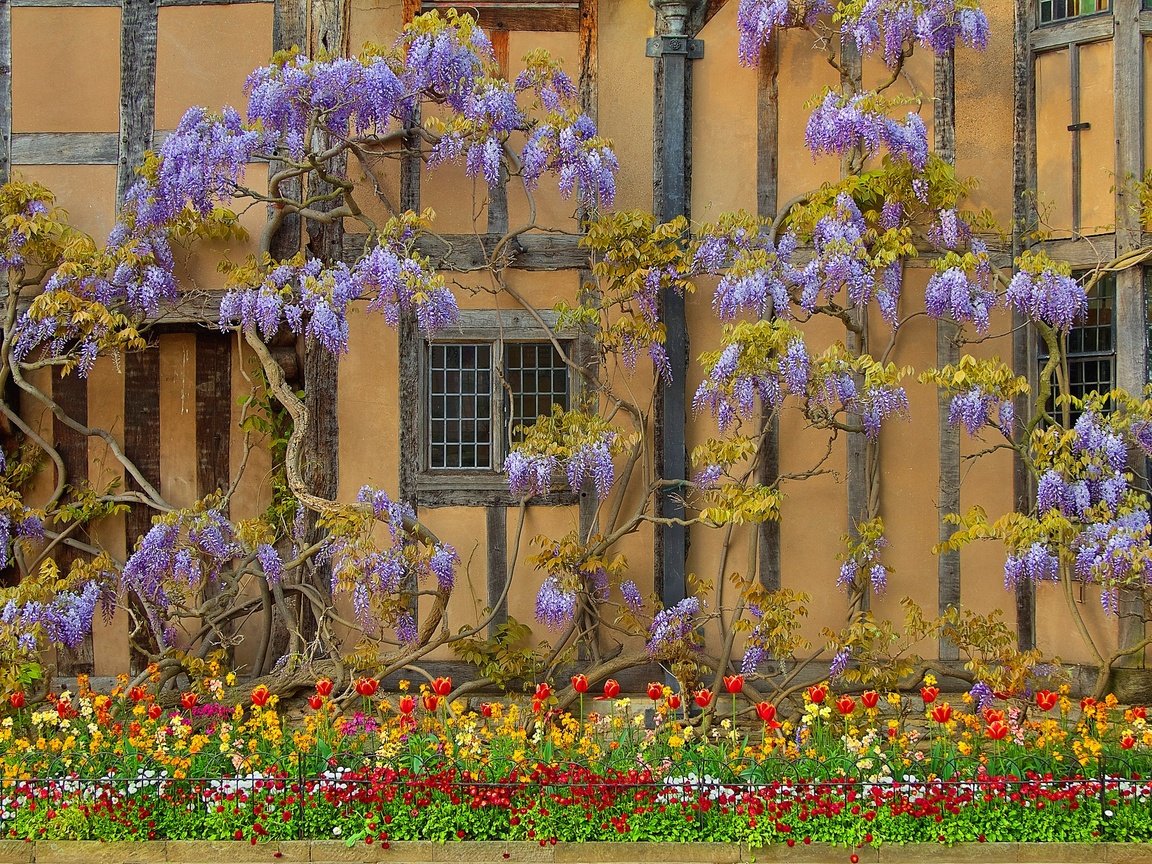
{"x": 859, "y": 771}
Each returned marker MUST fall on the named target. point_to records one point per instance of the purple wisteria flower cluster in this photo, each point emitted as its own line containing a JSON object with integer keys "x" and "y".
{"x": 840, "y": 124}
{"x": 66, "y": 619}
{"x": 372, "y": 574}
{"x": 865, "y": 562}
{"x": 892, "y": 25}
{"x": 974, "y": 408}
{"x": 177, "y": 556}
{"x": 1049, "y": 296}
{"x": 730, "y": 389}
{"x": 584, "y": 454}
{"x": 673, "y": 630}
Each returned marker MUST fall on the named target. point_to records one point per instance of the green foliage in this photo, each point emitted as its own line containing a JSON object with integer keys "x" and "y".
{"x": 506, "y": 655}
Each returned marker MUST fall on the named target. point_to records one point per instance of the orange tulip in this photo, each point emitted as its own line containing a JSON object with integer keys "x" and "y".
{"x": 260, "y": 696}
{"x": 188, "y": 700}
{"x": 929, "y": 694}
{"x": 991, "y": 715}
{"x": 941, "y": 713}
{"x": 996, "y": 730}
{"x": 324, "y": 687}
{"x": 442, "y": 686}
{"x": 431, "y": 701}
{"x": 870, "y": 698}
{"x": 703, "y": 698}
{"x": 1046, "y": 700}
{"x": 845, "y": 705}
{"x": 734, "y": 683}
{"x": 137, "y": 694}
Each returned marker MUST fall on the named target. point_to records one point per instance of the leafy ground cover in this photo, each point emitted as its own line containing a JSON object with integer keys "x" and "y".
{"x": 853, "y": 769}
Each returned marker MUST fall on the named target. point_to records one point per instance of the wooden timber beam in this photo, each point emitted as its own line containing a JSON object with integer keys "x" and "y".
{"x": 5, "y": 89}
{"x": 540, "y": 16}
{"x": 702, "y": 12}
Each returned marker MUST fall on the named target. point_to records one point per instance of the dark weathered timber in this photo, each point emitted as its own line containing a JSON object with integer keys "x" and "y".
{"x": 71, "y": 393}
{"x": 947, "y": 352}
{"x": 483, "y": 490}
{"x": 589, "y": 56}
{"x": 497, "y": 532}
{"x": 1077, "y": 163}
{"x": 498, "y": 193}
{"x": 702, "y": 12}
{"x": 213, "y": 411}
{"x": 767, "y": 195}
{"x": 289, "y": 29}
{"x": 209, "y": 2}
{"x": 5, "y": 90}
{"x": 465, "y": 252}
{"x": 1023, "y": 217}
{"x": 65, "y": 148}
{"x": 137, "y": 88}
{"x": 142, "y": 446}
{"x": 532, "y": 16}
{"x": 1131, "y": 325}
{"x": 1080, "y": 30}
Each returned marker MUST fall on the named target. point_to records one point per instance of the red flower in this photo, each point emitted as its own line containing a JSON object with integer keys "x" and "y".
{"x": 442, "y": 686}
{"x": 1139, "y": 712}
{"x": 734, "y": 684}
{"x": 407, "y": 704}
{"x": 992, "y": 715}
{"x": 137, "y": 694}
{"x": 1087, "y": 703}
{"x": 324, "y": 687}
{"x": 1127, "y": 742}
{"x": 941, "y": 713}
{"x": 431, "y": 701}
{"x": 486, "y": 709}
{"x": 17, "y": 700}
{"x": 188, "y": 700}
{"x": 766, "y": 711}
{"x": 703, "y": 698}
{"x": 996, "y": 730}
{"x": 845, "y": 705}
{"x": 366, "y": 686}
{"x": 65, "y": 711}
{"x": 543, "y": 692}
{"x": 154, "y": 712}
{"x": 870, "y": 698}
{"x": 260, "y": 696}
{"x": 315, "y": 701}
{"x": 674, "y": 701}
{"x": 929, "y": 694}
{"x": 580, "y": 683}
{"x": 817, "y": 693}
{"x": 655, "y": 691}
{"x": 1046, "y": 700}
{"x": 611, "y": 688}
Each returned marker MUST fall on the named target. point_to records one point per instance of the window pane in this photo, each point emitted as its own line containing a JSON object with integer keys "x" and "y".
{"x": 536, "y": 378}
{"x": 1091, "y": 352}
{"x": 459, "y": 406}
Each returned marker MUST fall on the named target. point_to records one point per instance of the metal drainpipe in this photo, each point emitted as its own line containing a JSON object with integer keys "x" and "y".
{"x": 671, "y": 48}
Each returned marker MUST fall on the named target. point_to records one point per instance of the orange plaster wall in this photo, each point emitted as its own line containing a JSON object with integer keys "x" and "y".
{"x": 86, "y": 192}
{"x": 1098, "y": 143}
{"x": 65, "y": 69}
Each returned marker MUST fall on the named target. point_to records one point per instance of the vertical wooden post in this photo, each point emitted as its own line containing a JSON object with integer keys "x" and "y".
{"x": 1131, "y": 326}
{"x": 1023, "y": 217}
{"x": 138, "y": 25}
{"x": 5, "y": 89}
{"x": 767, "y": 195}
{"x": 213, "y": 411}
{"x": 142, "y": 446}
{"x": 70, "y": 392}
{"x": 947, "y": 351}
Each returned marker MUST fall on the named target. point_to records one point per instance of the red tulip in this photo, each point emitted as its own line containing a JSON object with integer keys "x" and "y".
{"x": 315, "y": 701}
{"x": 543, "y": 692}
{"x": 366, "y": 686}
{"x": 17, "y": 700}
{"x": 1127, "y": 742}
{"x": 845, "y": 705}
{"x": 407, "y": 704}
{"x": 137, "y": 694}
{"x": 324, "y": 687}
{"x": 734, "y": 684}
{"x": 996, "y": 730}
{"x": 929, "y": 694}
{"x": 703, "y": 698}
{"x": 1046, "y": 700}
{"x": 655, "y": 691}
{"x": 188, "y": 700}
{"x": 611, "y": 688}
{"x": 870, "y": 698}
{"x": 991, "y": 715}
{"x": 486, "y": 709}
{"x": 1140, "y": 712}
{"x": 580, "y": 683}
{"x": 1087, "y": 703}
{"x": 431, "y": 701}
{"x": 442, "y": 686}
{"x": 674, "y": 701}
{"x": 154, "y": 712}
{"x": 766, "y": 711}
{"x": 817, "y": 693}
{"x": 260, "y": 696}
{"x": 941, "y": 713}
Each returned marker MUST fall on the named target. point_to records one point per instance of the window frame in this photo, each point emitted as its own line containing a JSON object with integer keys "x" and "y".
{"x": 1079, "y": 16}
{"x": 1097, "y": 355}
{"x": 450, "y": 486}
